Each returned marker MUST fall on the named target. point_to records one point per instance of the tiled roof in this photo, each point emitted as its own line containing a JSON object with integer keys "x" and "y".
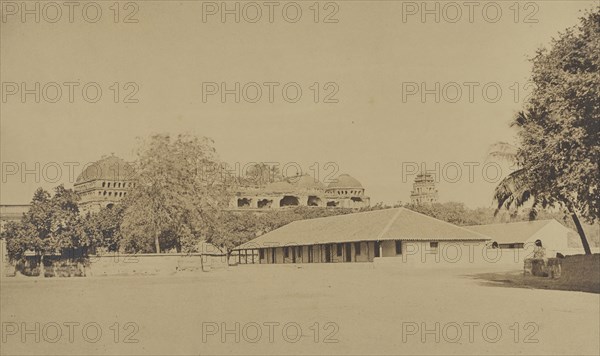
{"x": 518, "y": 232}
{"x": 386, "y": 224}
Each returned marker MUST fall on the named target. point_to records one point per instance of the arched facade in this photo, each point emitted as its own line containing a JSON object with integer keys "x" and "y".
{"x": 344, "y": 192}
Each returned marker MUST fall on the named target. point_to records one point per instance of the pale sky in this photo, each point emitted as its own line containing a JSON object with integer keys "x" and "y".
{"x": 372, "y": 54}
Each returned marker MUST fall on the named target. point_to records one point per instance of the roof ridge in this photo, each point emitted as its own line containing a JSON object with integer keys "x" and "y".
{"x": 449, "y": 223}
{"x": 381, "y": 224}
{"x": 387, "y": 227}
{"x": 515, "y": 222}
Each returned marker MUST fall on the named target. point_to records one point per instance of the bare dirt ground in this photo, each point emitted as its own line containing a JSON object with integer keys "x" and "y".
{"x": 295, "y": 309}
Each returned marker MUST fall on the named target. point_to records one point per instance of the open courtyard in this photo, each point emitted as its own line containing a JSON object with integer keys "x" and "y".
{"x": 361, "y": 308}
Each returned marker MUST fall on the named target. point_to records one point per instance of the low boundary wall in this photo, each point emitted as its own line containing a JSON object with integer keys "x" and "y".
{"x": 116, "y": 264}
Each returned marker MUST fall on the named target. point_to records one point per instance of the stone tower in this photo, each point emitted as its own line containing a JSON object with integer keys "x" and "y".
{"x": 424, "y": 190}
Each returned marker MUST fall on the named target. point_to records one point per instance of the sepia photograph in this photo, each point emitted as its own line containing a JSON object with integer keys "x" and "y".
{"x": 306, "y": 177}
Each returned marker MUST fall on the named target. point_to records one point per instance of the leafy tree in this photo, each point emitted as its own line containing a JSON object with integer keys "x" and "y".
{"x": 559, "y": 129}
{"x": 67, "y": 231}
{"x": 36, "y": 228}
{"x": 50, "y": 226}
{"x": 104, "y": 227}
{"x": 458, "y": 214}
{"x": 233, "y": 229}
{"x": 16, "y": 240}
{"x": 179, "y": 191}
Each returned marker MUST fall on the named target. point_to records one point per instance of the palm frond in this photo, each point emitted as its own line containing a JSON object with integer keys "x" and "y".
{"x": 514, "y": 190}
{"x": 503, "y": 151}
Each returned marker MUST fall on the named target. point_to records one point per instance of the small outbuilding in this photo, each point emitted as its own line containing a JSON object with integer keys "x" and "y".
{"x": 522, "y": 235}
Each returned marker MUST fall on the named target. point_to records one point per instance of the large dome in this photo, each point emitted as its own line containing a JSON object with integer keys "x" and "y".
{"x": 345, "y": 181}
{"x": 306, "y": 182}
{"x": 111, "y": 168}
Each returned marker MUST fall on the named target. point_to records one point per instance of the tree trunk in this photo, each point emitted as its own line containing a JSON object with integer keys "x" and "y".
{"x": 156, "y": 243}
{"x": 586, "y": 246}
{"x": 41, "y": 267}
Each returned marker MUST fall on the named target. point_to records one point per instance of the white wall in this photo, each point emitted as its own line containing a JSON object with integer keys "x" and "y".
{"x": 554, "y": 239}
{"x": 450, "y": 253}
{"x": 413, "y": 252}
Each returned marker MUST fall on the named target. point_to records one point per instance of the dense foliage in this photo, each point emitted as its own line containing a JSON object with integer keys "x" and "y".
{"x": 51, "y": 225}
{"x": 559, "y": 129}
{"x": 179, "y": 192}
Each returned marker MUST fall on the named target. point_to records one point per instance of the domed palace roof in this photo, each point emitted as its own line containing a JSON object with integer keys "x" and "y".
{"x": 279, "y": 187}
{"x": 111, "y": 168}
{"x": 345, "y": 181}
{"x": 306, "y": 182}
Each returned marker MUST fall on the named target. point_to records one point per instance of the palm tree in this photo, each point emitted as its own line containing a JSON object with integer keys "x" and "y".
{"x": 517, "y": 189}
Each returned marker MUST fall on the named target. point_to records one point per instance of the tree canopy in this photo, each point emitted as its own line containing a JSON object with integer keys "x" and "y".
{"x": 559, "y": 129}
{"x": 558, "y": 151}
{"x": 179, "y": 191}
{"x": 51, "y": 224}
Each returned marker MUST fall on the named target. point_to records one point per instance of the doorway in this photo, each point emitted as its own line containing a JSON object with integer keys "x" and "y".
{"x": 348, "y": 248}
{"x": 327, "y": 253}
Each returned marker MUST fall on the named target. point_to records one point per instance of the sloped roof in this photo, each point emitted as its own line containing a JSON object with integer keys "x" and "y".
{"x": 386, "y": 224}
{"x": 517, "y": 232}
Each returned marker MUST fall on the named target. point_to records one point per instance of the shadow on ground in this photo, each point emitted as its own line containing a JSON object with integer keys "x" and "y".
{"x": 516, "y": 279}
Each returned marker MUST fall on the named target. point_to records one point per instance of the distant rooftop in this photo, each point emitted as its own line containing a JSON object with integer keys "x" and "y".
{"x": 517, "y": 232}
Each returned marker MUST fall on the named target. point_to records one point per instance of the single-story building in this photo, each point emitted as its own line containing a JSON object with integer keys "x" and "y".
{"x": 363, "y": 237}
{"x": 522, "y": 235}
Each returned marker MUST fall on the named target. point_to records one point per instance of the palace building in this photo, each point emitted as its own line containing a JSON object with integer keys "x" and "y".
{"x": 107, "y": 181}
{"x": 304, "y": 190}
{"x": 104, "y": 183}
